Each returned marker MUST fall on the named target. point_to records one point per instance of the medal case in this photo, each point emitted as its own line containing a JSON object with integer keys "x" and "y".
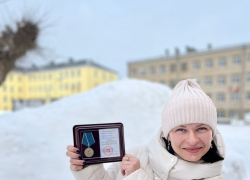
{"x": 100, "y": 143}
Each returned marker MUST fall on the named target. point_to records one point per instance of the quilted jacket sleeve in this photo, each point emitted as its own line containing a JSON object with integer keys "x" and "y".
{"x": 140, "y": 174}
{"x": 97, "y": 172}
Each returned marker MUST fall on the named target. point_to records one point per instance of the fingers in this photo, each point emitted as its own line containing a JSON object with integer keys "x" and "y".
{"x": 72, "y": 148}
{"x": 72, "y": 155}
{"x": 123, "y": 172}
{"x": 77, "y": 162}
{"x": 129, "y": 164}
{"x": 128, "y": 157}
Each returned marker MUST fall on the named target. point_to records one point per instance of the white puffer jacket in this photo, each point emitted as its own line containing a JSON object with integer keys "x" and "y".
{"x": 157, "y": 163}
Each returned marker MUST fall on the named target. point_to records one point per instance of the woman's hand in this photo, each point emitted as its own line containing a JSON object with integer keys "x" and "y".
{"x": 129, "y": 164}
{"x": 76, "y": 162}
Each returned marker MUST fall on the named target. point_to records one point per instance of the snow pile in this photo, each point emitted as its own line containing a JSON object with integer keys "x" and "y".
{"x": 33, "y": 141}
{"x": 237, "y": 163}
{"x": 234, "y": 166}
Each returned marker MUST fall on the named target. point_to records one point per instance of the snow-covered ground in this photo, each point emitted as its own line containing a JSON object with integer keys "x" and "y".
{"x": 33, "y": 141}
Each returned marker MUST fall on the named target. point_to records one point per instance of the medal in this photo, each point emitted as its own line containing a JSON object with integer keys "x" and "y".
{"x": 88, "y": 140}
{"x": 89, "y": 152}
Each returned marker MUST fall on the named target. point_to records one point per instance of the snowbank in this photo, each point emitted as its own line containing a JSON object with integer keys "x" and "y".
{"x": 33, "y": 141}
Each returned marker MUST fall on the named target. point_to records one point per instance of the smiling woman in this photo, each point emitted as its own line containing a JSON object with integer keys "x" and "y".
{"x": 187, "y": 146}
{"x": 193, "y": 142}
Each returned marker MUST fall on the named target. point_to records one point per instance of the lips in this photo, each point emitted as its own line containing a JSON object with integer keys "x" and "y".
{"x": 193, "y": 149}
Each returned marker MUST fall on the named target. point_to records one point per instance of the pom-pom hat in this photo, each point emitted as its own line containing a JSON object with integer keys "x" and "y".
{"x": 188, "y": 104}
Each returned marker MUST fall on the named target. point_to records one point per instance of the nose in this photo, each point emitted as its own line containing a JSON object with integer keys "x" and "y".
{"x": 192, "y": 138}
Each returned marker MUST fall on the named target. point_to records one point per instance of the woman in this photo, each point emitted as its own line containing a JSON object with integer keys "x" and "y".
{"x": 188, "y": 145}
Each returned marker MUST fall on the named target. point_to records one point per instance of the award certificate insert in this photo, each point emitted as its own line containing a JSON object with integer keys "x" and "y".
{"x": 109, "y": 142}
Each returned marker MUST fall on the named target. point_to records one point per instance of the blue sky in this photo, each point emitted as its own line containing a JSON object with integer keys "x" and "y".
{"x": 113, "y": 33}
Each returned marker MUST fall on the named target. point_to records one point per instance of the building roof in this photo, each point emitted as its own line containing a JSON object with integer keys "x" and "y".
{"x": 195, "y": 53}
{"x": 70, "y": 63}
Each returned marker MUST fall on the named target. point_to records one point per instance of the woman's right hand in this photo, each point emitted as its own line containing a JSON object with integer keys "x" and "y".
{"x": 76, "y": 162}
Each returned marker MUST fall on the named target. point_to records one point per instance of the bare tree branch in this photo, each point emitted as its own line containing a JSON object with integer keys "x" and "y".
{"x": 14, "y": 45}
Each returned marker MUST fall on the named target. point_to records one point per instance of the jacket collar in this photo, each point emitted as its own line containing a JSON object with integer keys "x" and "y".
{"x": 161, "y": 161}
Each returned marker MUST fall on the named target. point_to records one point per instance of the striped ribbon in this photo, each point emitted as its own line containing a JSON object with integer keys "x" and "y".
{"x": 88, "y": 139}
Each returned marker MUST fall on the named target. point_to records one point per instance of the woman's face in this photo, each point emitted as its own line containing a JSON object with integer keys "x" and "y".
{"x": 191, "y": 141}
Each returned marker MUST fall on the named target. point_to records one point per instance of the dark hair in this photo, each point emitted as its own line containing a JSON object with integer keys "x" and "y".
{"x": 210, "y": 157}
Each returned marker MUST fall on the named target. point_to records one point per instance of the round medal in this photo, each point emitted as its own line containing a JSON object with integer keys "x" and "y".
{"x": 89, "y": 152}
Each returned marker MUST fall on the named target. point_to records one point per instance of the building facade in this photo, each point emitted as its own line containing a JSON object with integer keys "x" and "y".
{"x": 37, "y": 86}
{"x": 224, "y": 75}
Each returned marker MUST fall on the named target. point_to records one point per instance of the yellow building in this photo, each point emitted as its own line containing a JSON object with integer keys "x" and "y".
{"x": 40, "y": 85}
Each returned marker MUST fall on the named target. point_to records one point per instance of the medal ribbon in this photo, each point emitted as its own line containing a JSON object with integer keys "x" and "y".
{"x": 88, "y": 139}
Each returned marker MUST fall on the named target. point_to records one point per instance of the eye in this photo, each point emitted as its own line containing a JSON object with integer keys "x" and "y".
{"x": 180, "y": 129}
{"x": 202, "y": 128}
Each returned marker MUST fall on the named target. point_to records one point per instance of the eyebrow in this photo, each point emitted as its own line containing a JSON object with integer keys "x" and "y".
{"x": 196, "y": 126}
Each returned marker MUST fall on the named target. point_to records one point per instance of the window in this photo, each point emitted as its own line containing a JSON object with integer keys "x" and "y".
{"x": 72, "y": 73}
{"x": 236, "y": 60}
{"x": 248, "y": 59}
{"x": 196, "y": 65}
{"x": 20, "y": 89}
{"x": 152, "y": 70}
{"x": 221, "y": 80}
{"x": 235, "y": 79}
{"x": 142, "y": 71}
{"x": 172, "y": 68}
{"x": 5, "y": 99}
{"x": 234, "y": 97}
{"x": 78, "y": 72}
{"x": 248, "y": 96}
{"x": 4, "y": 88}
{"x": 248, "y": 77}
{"x": 221, "y": 97}
{"x": 19, "y": 78}
{"x": 234, "y": 114}
{"x": 133, "y": 72}
{"x": 208, "y": 81}
{"x": 209, "y": 63}
{"x": 220, "y": 113}
{"x": 11, "y": 89}
{"x": 184, "y": 66}
{"x": 162, "y": 69}
{"x": 222, "y": 62}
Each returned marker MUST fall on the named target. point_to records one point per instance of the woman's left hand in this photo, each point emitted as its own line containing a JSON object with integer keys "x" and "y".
{"x": 129, "y": 164}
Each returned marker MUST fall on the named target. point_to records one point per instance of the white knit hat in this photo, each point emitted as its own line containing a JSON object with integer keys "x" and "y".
{"x": 188, "y": 104}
